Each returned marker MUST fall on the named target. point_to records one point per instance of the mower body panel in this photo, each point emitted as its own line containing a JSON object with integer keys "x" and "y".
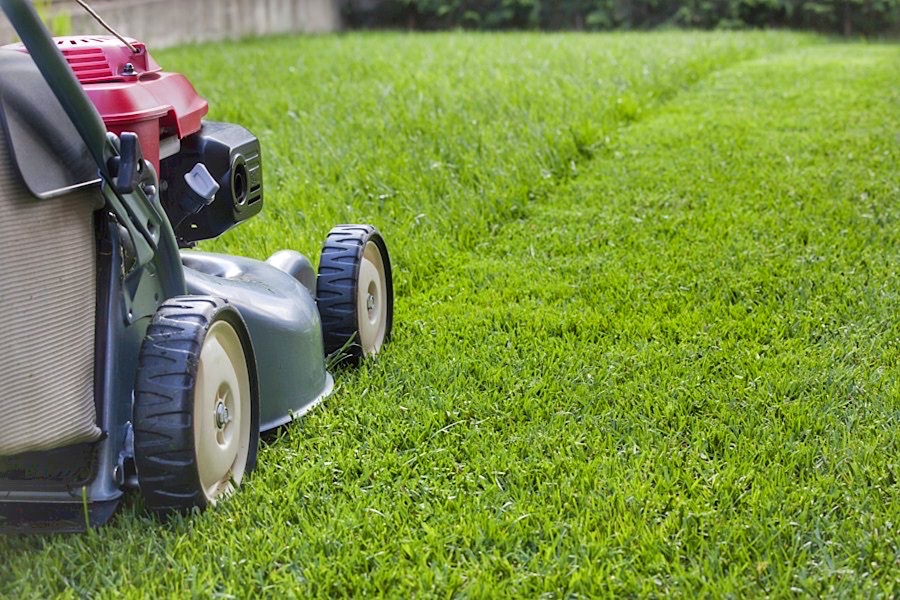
{"x": 284, "y": 325}
{"x": 162, "y": 106}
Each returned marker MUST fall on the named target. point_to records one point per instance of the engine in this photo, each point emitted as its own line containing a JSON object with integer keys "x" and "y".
{"x": 210, "y": 173}
{"x": 231, "y": 156}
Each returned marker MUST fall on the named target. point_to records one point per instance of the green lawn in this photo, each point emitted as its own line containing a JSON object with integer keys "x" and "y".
{"x": 646, "y": 331}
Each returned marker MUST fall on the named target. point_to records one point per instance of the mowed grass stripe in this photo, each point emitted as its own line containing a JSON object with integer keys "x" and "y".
{"x": 668, "y": 364}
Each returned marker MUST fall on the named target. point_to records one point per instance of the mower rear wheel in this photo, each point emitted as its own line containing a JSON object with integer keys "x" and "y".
{"x": 355, "y": 292}
{"x": 196, "y": 413}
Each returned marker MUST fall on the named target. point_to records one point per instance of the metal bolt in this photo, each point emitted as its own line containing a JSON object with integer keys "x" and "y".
{"x": 128, "y": 69}
{"x": 222, "y": 416}
{"x": 370, "y": 302}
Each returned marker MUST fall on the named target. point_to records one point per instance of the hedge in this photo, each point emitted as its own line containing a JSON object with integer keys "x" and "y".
{"x": 847, "y": 17}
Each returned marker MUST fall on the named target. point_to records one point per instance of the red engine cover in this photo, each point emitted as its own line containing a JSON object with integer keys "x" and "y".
{"x": 131, "y": 91}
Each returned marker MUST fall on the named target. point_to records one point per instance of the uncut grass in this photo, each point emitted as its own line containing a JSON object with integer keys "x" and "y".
{"x": 440, "y": 137}
{"x": 638, "y": 349}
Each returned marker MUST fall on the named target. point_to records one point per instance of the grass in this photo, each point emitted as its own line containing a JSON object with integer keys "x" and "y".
{"x": 646, "y": 333}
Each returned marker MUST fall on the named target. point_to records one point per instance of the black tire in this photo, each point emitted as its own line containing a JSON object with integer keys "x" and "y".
{"x": 171, "y": 387}
{"x": 349, "y": 329}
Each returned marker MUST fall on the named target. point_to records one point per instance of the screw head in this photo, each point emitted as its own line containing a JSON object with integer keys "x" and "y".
{"x": 222, "y": 415}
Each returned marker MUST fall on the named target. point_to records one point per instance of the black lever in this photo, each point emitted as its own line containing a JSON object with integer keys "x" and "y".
{"x": 129, "y": 165}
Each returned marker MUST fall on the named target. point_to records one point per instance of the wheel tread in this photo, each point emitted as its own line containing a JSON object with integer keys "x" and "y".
{"x": 336, "y": 288}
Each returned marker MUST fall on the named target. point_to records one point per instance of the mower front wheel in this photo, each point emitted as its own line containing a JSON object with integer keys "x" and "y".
{"x": 196, "y": 407}
{"x": 355, "y": 292}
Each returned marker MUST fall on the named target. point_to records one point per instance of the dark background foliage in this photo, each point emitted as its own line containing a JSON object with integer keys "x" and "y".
{"x": 847, "y": 17}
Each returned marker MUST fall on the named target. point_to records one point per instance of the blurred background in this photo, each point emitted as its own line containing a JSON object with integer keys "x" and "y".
{"x": 170, "y": 22}
{"x": 846, "y": 17}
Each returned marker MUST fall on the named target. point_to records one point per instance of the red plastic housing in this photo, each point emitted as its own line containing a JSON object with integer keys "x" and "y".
{"x": 131, "y": 92}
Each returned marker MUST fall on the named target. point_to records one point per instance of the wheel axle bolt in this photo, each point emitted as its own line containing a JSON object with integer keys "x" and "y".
{"x": 222, "y": 416}
{"x": 370, "y": 302}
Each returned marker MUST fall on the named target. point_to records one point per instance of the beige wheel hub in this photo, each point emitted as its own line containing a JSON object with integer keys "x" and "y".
{"x": 222, "y": 417}
{"x": 372, "y": 300}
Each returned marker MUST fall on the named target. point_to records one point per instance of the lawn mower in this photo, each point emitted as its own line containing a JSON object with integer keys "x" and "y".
{"x": 128, "y": 358}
